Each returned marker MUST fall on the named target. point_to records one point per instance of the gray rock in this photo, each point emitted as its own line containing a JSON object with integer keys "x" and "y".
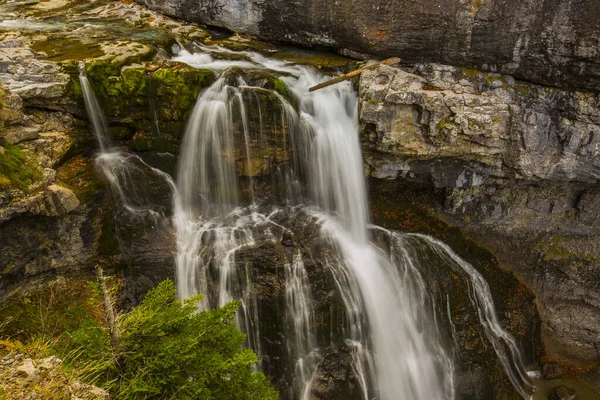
{"x": 530, "y": 132}
{"x": 27, "y": 371}
{"x": 58, "y": 201}
{"x": 49, "y": 363}
{"x": 552, "y": 43}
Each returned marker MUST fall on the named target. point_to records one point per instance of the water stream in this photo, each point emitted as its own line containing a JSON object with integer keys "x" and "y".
{"x": 126, "y": 173}
{"x": 398, "y": 348}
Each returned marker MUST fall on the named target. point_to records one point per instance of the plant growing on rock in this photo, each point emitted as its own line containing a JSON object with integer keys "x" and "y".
{"x": 169, "y": 350}
{"x": 17, "y": 168}
{"x": 166, "y": 348}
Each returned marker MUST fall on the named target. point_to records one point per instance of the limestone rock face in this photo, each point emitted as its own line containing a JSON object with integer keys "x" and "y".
{"x": 515, "y": 164}
{"x": 512, "y": 130}
{"x": 554, "y": 43}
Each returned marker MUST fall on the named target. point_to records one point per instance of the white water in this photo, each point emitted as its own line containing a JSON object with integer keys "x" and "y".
{"x": 94, "y": 111}
{"x": 390, "y": 326}
{"x": 503, "y": 342}
{"x": 323, "y": 130}
{"x": 121, "y": 169}
{"x": 302, "y": 344}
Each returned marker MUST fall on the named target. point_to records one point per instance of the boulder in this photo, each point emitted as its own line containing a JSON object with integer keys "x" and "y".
{"x": 563, "y": 393}
{"x": 27, "y": 372}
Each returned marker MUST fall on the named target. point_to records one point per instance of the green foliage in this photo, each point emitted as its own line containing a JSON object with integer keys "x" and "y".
{"x": 60, "y": 307}
{"x": 18, "y": 168}
{"x": 169, "y": 350}
{"x": 1, "y": 96}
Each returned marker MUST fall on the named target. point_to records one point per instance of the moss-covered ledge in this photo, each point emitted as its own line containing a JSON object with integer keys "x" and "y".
{"x": 146, "y": 103}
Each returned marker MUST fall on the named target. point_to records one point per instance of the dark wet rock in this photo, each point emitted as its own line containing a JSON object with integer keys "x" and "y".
{"x": 552, "y": 371}
{"x": 553, "y": 43}
{"x": 563, "y": 393}
{"x": 335, "y": 378}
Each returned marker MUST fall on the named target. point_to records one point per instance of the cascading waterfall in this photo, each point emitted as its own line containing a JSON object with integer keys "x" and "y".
{"x": 390, "y": 320}
{"x": 122, "y": 170}
{"x": 504, "y": 343}
{"x": 323, "y": 131}
{"x": 303, "y": 347}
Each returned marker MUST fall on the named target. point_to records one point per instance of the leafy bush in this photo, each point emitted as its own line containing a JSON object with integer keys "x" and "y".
{"x": 169, "y": 350}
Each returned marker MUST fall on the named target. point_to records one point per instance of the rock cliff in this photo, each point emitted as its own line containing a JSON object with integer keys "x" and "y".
{"x": 515, "y": 165}
{"x": 549, "y": 42}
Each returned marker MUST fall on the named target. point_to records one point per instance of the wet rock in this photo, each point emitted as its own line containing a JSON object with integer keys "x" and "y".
{"x": 563, "y": 393}
{"x": 552, "y": 371}
{"x": 334, "y": 379}
{"x": 552, "y": 44}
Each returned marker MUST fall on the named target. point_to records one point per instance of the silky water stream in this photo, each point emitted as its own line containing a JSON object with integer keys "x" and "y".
{"x": 389, "y": 323}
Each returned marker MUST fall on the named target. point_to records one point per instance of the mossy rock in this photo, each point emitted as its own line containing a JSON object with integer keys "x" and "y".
{"x": 179, "y": 86}
{"x": 17, "y": 168}
{"x": 153, "y": 101}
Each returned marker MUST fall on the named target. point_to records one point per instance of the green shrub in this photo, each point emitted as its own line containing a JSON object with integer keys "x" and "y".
{"x": 169, "y": 350}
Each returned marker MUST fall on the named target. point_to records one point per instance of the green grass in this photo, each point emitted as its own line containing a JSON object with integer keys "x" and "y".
{"x": 17, "y": 168}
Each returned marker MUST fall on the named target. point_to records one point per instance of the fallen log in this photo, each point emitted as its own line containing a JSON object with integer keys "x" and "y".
{"x": 350, "y": 75}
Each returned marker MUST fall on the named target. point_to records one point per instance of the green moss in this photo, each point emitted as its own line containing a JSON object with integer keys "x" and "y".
{"x": 100, "y": 70}
{"x": 444, "y": 122}
{"x": 73, "y": 89}
{"x": 134, "y": 83}
{"x": 374, "y": 102}
{"x": 470, "y": 73}
{"x": 178, "y": 87}
{"x": 61, "y": 49}
{"x": 17, "y": 168}
{"x": 552, "y": 248}
{"x": 522, "y": 90}
{"x": 280, "y": 87}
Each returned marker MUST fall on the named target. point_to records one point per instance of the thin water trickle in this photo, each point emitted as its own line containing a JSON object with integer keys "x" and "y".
{"x": 126, "y": 173}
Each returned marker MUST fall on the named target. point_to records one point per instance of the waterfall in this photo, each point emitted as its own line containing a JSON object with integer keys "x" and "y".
{"x": 390, "y": 325}
{"x": 303, "y": 348}
{"x": 94, "y": 111}
{"x": 128, "y": 175}
{"x": 502, "y": 341}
